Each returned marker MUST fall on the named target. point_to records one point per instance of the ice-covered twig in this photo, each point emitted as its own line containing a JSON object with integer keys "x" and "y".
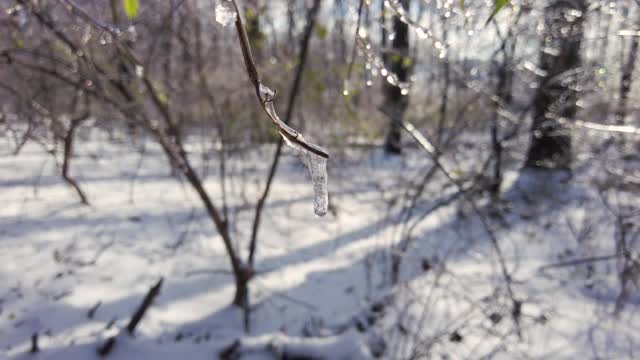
{"x": 576, "y": 262}
{"x": 623, "y": 129}
{"x": 266, "y": 95}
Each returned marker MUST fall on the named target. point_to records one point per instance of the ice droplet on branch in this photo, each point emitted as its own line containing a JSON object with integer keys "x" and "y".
{"x": 266, "y": 94}
{"x": 225, "y": 13}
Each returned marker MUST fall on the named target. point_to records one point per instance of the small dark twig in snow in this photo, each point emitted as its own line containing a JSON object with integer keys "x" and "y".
{"x": 34, "y": 343}
{"x": 107, "y": 347}
{"x": 92, "y": 312}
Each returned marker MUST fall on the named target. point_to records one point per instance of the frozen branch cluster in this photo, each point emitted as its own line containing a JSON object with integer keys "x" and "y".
{"x": 347, "y": 346}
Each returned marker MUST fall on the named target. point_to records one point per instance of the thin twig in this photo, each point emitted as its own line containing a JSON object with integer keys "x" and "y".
{"x": 575, "y": 262}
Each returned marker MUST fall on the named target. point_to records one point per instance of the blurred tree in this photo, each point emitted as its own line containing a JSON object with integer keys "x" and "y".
{"x": 503, "y": 72}
{"x": 395, "y": 101}
{"x": 252, "y": 13}
{"x": 556, "y": 96}
{"x": 340, "y": 10}
{"x": 627, "y": 72}
{"x": 446, "y": 82}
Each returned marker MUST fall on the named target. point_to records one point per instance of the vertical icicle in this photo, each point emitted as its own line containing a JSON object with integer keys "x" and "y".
{"x": 318, "y": 169}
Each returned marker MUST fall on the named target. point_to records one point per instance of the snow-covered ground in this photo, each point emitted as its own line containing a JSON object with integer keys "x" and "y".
{"x": 59, "y": 259}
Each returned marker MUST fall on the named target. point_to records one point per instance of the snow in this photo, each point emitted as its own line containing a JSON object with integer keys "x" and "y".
{"x": 58, "y": 259}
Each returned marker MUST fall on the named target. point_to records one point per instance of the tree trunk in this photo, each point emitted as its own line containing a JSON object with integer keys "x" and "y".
{"x": 68, "y": 154}
{"x": 400, "y": 65}
{"x": 446, "y": 78}
{"x": 339, "y": 12}
{"x": 256, "y": 37}
{"x": 550, "y": 146}
{"x": 627, "y": 75}
{"x": 504, "y": 74}
{"x": 291, "y": 23}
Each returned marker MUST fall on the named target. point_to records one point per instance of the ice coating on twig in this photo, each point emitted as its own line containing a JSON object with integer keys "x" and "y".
{"x": 318, "y": 169}
{"x": 225, "y": 13}
{"x": 316, "y": 156}
{"x": 266, "y": 94}
{"x": 292, "y": 136}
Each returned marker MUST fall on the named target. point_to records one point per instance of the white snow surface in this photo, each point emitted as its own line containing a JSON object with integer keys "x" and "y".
{"x": 58, "y": 259}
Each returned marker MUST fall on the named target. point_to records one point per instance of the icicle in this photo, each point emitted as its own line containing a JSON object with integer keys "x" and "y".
{"x": 318, "y": 169}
